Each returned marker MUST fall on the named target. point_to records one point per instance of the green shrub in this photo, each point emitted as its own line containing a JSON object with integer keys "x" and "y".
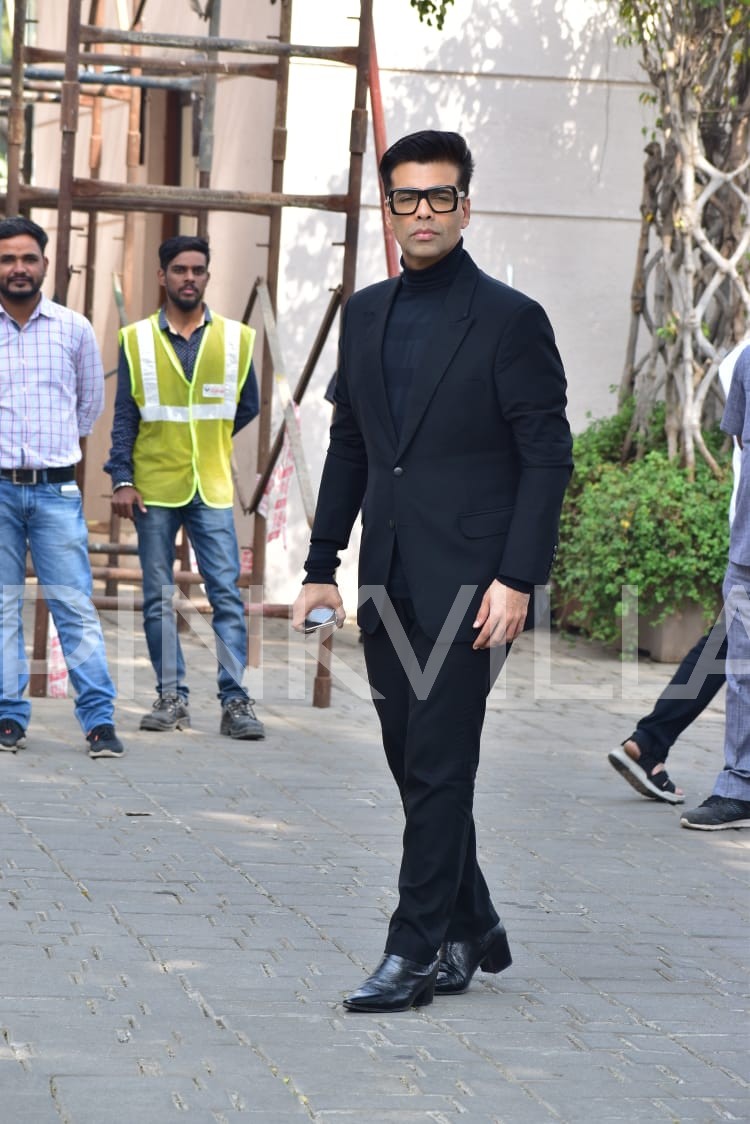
{"x": 642, "y": 525}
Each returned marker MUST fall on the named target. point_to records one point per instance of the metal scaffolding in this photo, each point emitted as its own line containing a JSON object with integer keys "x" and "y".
{"x": 85, "y": 68}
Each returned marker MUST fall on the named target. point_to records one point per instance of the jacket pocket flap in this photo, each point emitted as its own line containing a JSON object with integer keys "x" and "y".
{"x": 481, "y": 524}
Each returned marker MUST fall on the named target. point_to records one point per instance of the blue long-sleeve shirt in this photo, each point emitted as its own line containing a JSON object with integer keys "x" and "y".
{"x": 127, "y": 417}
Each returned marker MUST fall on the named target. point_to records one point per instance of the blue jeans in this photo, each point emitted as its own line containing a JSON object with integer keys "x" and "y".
{"x": 211, "y": 531}
{"x": 49, "y": 519}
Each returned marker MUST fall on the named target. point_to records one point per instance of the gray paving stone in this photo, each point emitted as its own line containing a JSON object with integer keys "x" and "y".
{"x": 36, "y": 1106}
{"x": 190, "y": 918}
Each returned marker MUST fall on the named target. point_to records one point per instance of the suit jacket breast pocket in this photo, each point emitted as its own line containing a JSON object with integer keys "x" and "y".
{"x": 483, "y": 524}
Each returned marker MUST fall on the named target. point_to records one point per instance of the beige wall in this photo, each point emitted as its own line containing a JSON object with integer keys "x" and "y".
{"x": 550, "y": 106}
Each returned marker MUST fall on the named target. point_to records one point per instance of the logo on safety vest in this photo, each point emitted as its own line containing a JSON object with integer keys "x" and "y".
{"x": 213, "y": 390}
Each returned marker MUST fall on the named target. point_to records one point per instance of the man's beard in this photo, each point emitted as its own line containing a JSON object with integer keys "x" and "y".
{"x": 20, "y": 296}
{"x": 185, "y": 304}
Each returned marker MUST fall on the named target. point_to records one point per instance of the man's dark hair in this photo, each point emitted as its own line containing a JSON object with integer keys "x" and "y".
{"x": 11, "y": 228}
{"x": 429, "y": 147}
{"x": 179, "y": 244}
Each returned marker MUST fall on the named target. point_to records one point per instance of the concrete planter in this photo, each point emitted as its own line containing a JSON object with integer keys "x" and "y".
{"x": 666, "y": 642}
{"x": 670, "y": 640}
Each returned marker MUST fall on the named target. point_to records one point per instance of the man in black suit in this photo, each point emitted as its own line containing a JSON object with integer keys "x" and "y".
{"x": 450, "y": 435}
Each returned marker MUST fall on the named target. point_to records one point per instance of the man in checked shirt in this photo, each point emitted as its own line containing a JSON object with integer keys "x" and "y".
{"x": 51, "y": 393}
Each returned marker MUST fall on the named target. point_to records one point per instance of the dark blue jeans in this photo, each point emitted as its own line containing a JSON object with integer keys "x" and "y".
{"x": 678, "y": 705}
{"x": 211, "y": 531}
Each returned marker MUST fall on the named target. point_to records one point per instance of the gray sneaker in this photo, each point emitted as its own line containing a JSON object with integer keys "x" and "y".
{"x": 169, "y": 712}
{"x": 238, "y": 720}
{"x": 717, "y": 813}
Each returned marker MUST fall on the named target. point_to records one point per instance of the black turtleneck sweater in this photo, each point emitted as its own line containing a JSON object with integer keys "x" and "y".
{"x": 414, "y": 313}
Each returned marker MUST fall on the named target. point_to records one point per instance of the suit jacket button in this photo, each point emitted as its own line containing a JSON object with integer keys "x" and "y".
{"x": 398, "y": 470}
{"x": 391, "y": 524}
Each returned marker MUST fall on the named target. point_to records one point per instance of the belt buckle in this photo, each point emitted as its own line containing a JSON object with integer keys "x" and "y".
{"x": 17, "y": 475}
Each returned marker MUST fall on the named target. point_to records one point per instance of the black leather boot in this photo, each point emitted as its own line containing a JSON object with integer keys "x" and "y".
{"x": 459, "y": 960}
{"x": 395, "y": 985}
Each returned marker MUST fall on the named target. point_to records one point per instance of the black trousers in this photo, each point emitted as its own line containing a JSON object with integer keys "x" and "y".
{"x": 431, "y": 729}
{"x": 659, "y": 730}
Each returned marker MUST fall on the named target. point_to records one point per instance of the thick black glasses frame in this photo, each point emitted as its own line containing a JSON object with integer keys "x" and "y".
{"x": 425, "y": 195}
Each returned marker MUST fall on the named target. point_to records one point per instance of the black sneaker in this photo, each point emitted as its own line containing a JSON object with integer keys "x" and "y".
{"x": 238, "y": 720}
{"x": 169, "y": 712}
{"x": 104, "y": 742}
{"x": 12, "y": 735}
{"x": 717, "y": 813}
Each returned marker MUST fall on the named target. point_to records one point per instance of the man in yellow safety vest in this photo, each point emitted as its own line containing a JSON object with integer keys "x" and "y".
{"x": 186, "y": 385}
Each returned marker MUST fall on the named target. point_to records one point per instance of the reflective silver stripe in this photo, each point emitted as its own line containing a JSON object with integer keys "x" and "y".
{"x": 232, "y": 330}
{"x": 166, "y": 413}
{"x": 147, "y": 354}
{"x": 209, "y": 412}
{"x": 212, "y": 410}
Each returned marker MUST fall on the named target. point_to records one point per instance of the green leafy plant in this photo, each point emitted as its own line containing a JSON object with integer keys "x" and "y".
{"x": 640, "y": 535}
{"x": 432, "y": 9}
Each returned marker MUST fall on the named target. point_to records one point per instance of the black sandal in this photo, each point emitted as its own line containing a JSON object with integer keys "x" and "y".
{"x": 640, "y": 774}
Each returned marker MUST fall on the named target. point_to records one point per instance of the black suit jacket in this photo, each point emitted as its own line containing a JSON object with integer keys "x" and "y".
{"x": 473, "y": 485}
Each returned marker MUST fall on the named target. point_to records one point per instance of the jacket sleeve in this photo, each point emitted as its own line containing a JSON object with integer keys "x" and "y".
{"x": 531, "y": 388}
{"x": 342, "y": 484}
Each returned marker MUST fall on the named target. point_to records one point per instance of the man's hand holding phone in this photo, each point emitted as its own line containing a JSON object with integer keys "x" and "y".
{"x": 318, "y": 607}
{"x": 317, "y": 619}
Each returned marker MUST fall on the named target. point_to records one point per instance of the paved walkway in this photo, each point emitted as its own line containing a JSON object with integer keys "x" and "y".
{"x": 179, "y": 927}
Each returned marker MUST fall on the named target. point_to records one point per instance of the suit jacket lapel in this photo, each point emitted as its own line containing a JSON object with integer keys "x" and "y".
{"x": 441, "y": 349}
{"x": 372, "y": 361}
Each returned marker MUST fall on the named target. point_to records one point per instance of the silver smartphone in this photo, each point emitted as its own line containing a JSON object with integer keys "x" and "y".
{"x": 319, "y": 618}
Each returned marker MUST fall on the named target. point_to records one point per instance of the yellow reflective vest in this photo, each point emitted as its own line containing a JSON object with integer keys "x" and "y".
{"x": 184, "y": 442}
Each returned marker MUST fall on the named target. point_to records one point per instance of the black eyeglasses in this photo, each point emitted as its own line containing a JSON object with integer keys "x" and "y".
{"x": 405, "y": 200}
